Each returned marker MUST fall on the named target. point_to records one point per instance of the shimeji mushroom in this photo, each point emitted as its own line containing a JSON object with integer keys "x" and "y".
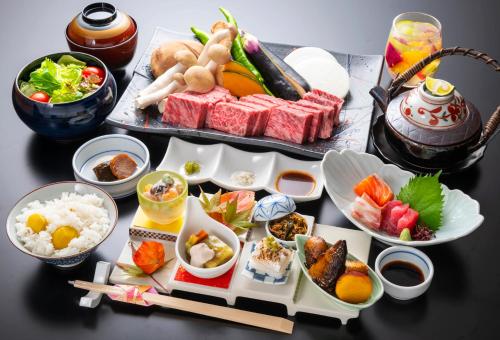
{"x": 184, "y": 58}
{"x": 202, "y": 79}
{"x": 165, "y": 84}
{"x": 218, "y": 36}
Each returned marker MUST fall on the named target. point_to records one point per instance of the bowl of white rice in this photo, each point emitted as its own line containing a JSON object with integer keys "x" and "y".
{"x": 62, "y": 223}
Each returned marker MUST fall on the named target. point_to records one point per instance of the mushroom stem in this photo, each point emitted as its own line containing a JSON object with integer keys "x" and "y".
{"x": 217, "y": 37}
{"x": 153, "y": 98}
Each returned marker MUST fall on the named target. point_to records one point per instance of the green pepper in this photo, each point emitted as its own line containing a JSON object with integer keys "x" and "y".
{"x": 237, "y": 48}
{"x": 201, "y": 35}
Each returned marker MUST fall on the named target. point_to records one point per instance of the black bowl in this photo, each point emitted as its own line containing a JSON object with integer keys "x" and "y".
{"x": 65, "y": 121}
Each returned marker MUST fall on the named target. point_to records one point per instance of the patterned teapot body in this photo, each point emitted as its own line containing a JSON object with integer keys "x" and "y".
{"x": 418, "y": 117}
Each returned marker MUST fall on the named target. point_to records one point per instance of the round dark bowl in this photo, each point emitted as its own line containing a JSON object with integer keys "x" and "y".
{"x": 115, "y": 56}
{"x": 64, "y": 121}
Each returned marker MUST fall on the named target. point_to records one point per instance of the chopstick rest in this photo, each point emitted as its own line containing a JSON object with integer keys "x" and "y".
{"x": 101, "y": 275}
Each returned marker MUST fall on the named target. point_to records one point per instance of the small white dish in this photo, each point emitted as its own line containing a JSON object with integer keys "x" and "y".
{"x": 406, "y": 254}
{"x": 196, "y": 219}
{"x": 218, "y": 162}
{"x": 50, "y": 192}
{"x": 104, "y": 148}
{"x": 258, "y": 276}
{"x": 292, "y": 244}
{"x": 342, "y": 170}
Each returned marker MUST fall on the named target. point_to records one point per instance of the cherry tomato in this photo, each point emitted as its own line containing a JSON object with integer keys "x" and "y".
{"x": 40, "y": 96}
{"x": 93, "y": 70}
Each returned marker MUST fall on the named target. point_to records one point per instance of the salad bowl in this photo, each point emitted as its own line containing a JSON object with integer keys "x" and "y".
{"x": 378, "y": 288}
{"x": 342, "y": 170}
{"x": 68, "y": 120}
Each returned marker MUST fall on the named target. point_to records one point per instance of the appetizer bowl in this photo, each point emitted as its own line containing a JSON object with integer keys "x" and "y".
{"x": 70, "y": 120}
{"x": 162, "y": 212}
{"x": 105, "y": 32}
{"x": 412, "y": 256}
{"x": 52, "y": 191}
{"x": 291, "y": 244}
{"x": 377, "y": 286}
{"x": 104, "y": 147}
{"x": 196, "y": 219}
{"x": 342, "y": 170}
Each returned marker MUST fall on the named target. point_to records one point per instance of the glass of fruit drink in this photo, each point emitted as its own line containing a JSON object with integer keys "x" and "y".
{"x": 413, "y": 37}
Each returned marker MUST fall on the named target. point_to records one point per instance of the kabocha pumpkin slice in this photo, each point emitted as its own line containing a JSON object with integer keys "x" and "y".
{"x": 240, "y": 85}
{"x": 150, "y": 256}
{"x": 234, "y": 66}
{"x": 354, "y": 287}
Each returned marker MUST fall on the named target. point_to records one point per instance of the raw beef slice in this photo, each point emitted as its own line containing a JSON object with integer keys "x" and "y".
{"x": 328, "y": 113}
{"x": 288, "y": 124}
{"x": 315, "y": 123}
{"x": 232, "y": 117}
{"x": 263, "y": 116}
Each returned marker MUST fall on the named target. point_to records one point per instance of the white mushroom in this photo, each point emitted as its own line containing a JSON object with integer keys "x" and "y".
{"x": 218, "y": 36}
{"x": 177, "y": 85}
{"x": 184, "y": 58}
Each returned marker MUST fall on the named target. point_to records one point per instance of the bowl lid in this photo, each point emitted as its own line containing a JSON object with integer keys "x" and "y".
{"x": 273, "y": 207}
{"x": 431, "y": 120}
{"x": 100, "y": 25}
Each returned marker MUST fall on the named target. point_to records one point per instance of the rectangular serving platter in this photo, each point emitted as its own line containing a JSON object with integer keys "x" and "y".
{"x": 364, "y": 72}
{"x": 297, "y": 294}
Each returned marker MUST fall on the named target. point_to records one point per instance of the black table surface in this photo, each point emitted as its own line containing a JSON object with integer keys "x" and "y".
{"x": 37, "y": 302}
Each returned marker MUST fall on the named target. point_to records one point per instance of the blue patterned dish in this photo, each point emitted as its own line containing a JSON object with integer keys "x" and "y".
{"x": 273, "y": 207}
{"x": 258, "y": 276}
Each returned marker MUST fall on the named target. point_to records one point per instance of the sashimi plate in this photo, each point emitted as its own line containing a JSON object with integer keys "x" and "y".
{"x": 342, "y": 170}
{"x": 355, "y": 116}
{"x": 219, "y": 161}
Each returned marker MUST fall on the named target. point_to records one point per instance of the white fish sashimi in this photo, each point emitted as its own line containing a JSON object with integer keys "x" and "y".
{"x": 366, "y": 211}
{"x": 304, "y": 53}
{"x": 324, "y": 74}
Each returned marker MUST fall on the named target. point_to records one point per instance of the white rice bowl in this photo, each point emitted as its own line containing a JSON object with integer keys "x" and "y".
{"x": 85, "y": 213}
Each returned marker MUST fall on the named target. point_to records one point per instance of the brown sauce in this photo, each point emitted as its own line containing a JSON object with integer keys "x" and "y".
{"x": 295, "y": 182}
{"x": 403, "y": 273}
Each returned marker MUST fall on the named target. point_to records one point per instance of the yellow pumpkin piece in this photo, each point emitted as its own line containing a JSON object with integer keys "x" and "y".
{"x": 234, "y": 66}
{"x": 169, "y": 195}
{"x": 62, "y": 236}
{"x": 148, "y": 187}
{"x": 354, "y": 287}
{"x": 37, "y": 222}
{"x": 241, "y": 85}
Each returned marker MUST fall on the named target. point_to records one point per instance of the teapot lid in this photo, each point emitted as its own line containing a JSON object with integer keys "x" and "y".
{"x": 433, "y": 120}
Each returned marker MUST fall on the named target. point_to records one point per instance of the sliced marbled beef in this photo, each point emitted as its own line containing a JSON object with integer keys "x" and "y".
{"x": 315, "y": 123}
{"x": 328, "y": 111}
{"x": 288, "y": 124}
{"x": 233, "y": 118}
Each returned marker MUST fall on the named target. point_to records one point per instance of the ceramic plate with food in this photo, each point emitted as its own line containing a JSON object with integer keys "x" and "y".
{"x": 394, "y": 205}
{"x": 234, "y": 169}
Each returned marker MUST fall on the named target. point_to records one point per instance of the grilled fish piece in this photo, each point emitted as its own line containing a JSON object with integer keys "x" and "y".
{"x": 329, "y": 266}
{"x": 313, "y": 248}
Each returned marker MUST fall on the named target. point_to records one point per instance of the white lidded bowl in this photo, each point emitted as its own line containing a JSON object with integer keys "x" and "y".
{"x": 343, "y": 170}
{"x": 406, "y": 254}
{"x": 103, "y": 148}
{"x": 50, "y": 192}
{"x": 196, "y": 219}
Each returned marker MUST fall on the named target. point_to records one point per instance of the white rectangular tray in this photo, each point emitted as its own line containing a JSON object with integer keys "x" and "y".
{"x": 298, "y": 295}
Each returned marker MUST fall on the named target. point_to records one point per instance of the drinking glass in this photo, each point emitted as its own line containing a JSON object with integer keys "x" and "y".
{"x": 413, "y": 37}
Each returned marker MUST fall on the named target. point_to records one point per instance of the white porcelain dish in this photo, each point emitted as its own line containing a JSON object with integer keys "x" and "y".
{"x": 293, "y": 244}
{"x": 273, "y": 207}
{"x": 103, "y": 148}
{"x": 342, "y": 170}
{"x": 219, "y": 161}
{"x": 406, "y": 254}
{"x": 196, "y": 219}
{"x": 52, "y": 191}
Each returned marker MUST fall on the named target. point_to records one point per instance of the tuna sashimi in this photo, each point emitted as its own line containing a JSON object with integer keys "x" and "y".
{"x": 375, "y": 187}
{"x": 386, "y": 214}
{"x": 396, "y": 214}
{"x": 366, "y": 211}
{"x": 409, "y": 220}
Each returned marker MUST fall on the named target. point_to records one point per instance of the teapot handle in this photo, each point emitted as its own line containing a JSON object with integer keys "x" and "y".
{"x": 490, "y": 128}
{"x": 467, "y": 52}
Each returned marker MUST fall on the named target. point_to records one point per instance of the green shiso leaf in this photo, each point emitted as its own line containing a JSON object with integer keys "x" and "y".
{"x": 425, "y": 195}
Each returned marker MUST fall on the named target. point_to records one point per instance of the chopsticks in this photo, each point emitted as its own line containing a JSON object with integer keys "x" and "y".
{"x": 225, "y": 313}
